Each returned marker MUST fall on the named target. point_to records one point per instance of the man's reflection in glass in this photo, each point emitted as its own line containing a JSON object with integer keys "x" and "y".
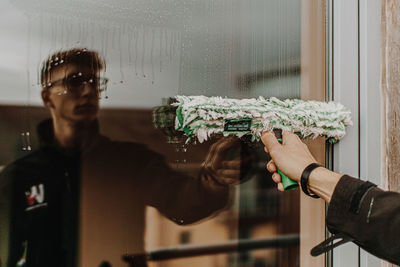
{"x": 79, "y": 200}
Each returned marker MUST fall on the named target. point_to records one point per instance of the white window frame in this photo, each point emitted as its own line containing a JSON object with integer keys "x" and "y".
{"x": 354, "y": 80}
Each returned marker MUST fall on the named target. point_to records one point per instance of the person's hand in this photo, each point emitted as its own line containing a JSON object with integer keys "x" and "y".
{"x": 224, "y": 162}
{"x": 291, "y": 157}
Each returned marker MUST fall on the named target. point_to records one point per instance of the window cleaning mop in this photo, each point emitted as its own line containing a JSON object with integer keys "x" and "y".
{"x": 202, "y": 117}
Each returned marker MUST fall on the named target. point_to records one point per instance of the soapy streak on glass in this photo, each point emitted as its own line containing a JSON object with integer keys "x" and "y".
{"x": 66, "y": 34}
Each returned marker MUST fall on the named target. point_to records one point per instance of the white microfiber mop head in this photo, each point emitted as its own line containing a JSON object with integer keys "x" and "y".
{"x": 201, "y": 117}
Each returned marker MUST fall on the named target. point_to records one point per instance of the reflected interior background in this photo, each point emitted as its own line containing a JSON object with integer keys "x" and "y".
{"x": 155, "y": 50}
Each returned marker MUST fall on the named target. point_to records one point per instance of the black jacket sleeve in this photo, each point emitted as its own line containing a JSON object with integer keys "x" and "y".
{"x": 367, "y": 215}
{"x": 12, "y": 232}
{"x": 183, "y": 198}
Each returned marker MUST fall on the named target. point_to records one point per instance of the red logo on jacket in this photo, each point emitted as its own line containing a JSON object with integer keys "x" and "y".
{"x": 35, "y": 196}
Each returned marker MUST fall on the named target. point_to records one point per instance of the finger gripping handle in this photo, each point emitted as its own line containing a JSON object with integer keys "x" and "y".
{"x": 288, "y": 184}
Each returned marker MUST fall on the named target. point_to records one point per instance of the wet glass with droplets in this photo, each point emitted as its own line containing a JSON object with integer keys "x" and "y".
{"x": 229, "y": 48}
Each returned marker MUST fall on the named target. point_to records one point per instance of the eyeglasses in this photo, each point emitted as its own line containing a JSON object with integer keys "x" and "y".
{"x": 76, "y": 82}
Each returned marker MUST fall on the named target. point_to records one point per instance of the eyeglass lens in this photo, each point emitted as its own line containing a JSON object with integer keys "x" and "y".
{"x": 77, "y": 81}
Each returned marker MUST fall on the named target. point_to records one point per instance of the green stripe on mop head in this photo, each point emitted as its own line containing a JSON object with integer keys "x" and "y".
{"x": 202, "y": 117}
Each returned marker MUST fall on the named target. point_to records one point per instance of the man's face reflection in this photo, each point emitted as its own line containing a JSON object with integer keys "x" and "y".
{"x": 73, "y": 95}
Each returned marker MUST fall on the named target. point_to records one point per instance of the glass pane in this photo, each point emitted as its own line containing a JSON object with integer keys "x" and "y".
{"x": 119, "y": 185}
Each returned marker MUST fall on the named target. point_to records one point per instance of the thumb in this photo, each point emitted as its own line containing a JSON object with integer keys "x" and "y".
{"x": 270, "y": 141}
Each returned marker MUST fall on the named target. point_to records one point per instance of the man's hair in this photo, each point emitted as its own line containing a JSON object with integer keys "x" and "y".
{"x": 79, "y": 56}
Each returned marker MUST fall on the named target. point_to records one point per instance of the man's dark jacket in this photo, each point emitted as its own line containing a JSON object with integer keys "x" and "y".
{"x": 54, "y": 200}
{"x": 368, "y": 216}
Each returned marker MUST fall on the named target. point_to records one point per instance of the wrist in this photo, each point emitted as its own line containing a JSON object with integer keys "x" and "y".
{"x": 322, "y": 182}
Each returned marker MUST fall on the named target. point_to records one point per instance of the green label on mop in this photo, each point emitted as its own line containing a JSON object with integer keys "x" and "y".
{"x": 237, "y": 125}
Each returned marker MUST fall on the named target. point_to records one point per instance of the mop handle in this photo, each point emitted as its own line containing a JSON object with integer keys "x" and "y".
{"x": 288, "y": 184}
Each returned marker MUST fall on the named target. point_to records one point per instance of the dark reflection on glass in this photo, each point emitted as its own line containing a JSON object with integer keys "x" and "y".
{"x": 80, "y": 198}
{"x": 261, "y": 214}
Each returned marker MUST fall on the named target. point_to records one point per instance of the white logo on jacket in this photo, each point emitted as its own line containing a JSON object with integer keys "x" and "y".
{"x": 35, "y": 197}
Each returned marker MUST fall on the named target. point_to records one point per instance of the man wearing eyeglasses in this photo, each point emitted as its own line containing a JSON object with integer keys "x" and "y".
{"x": 79, "y": 200}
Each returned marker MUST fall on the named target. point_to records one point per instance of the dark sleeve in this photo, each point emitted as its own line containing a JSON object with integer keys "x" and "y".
{"x": 368, "y": 215}
{"x": 181, "y": 197}
{"x": 11, "y": 220}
